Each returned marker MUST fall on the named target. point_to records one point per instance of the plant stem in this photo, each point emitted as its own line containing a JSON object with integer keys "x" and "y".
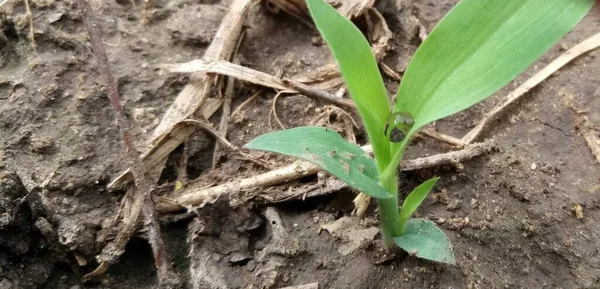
{"x": 389, "y": 211}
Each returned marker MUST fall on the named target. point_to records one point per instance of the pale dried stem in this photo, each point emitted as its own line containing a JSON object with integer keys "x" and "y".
{"x": 587, "y": 45}
{"x": 30, "y": 19}
{"x": 169, "y": 134}
{"x": 273, "y": 112}
{"x": 224, "y": 122}
{"x": 238, "y": 110}
{"x": 301, "y": 169}
{"x": 305, "y": 286}
{"x": 318, "y": 94}
{"x": 268, "y": 80}
{"x": 442, "y": 137}
{"x": 141, "y": 192}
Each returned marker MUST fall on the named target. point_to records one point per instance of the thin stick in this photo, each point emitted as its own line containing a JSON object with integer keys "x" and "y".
{"x": 581, "y": 48}
{"x": 207, "y": 65}
{"x": 246, "y": 103}
{"x": 212, "y": 131}
{"x": 30, "y": 18}
{"x": 143, "y": 187}
{"x": 443, "y": 137}
{"x": 318, "y": 94}
{"x": 224, "y": 123}
{"x": 389, "y": 71}
{"x": 274, "y": 111}
{"x": 305, "y": 286}
{"x": 301, "y": 169}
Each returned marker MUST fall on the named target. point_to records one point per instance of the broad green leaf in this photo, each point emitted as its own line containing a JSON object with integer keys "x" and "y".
{"x": 359, "y": 70}
{"x": 424, "y": 239}
{"x": 328, "y": 150}
{"x": 414, "y": 200}
{"x": 477, "y": 48}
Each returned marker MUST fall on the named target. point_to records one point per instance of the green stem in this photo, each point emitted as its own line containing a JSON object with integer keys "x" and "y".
{"x": 389, "y": 211}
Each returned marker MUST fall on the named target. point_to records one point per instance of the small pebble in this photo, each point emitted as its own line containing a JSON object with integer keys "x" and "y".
{"x": 454, "y": 205}
{"x": 533, "y": 166}
{"x": 474, "y": 203}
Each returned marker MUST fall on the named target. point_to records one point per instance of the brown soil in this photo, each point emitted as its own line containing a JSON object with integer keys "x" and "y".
{"x": 510, "y": 214}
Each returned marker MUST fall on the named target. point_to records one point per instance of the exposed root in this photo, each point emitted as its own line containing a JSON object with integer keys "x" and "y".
{"x": 238, "y": 113}
{"x": 273, "y": 112}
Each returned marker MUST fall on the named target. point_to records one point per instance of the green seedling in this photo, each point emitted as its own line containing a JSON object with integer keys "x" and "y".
{"x": 479, "y": 47}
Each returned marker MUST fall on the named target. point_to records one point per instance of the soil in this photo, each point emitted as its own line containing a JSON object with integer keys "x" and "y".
{"x": 510, "y": 214}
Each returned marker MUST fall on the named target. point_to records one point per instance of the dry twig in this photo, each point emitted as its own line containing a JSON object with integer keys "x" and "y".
{"x": 141, "y": 192}
{"x": 30, "y": 19}
{"x": 305, "y": 286}
{"x": 239, "y": 109}
{"x": 256, "y": 77}
{"x": 169, "y": 134}
{"x": 297, "y": 170}
{"x": 224, "y": 123}
{"x": 443, "y": 137}
{"x": 581, "y": 48}
{"x": 273, "y": 112}
{"x": 318, "y": 94}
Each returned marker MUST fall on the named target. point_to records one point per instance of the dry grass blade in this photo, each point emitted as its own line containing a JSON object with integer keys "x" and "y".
{"x": 201, "y": 197}
{"x": 581, "y": 48}
{"x": 207, "y": 65}
{"x": 256, "y": 77}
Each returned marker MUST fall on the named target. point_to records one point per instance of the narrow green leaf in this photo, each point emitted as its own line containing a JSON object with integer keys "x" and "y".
{"x": 328, "y": 150}
{"x": 479, "y": 47}
{"x": 359, "y": 70}
{"x": 414, "y": 200}
{"x": 424, "y": 239}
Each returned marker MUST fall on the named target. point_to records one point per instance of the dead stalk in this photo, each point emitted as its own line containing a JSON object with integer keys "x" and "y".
{"x": 141, "y": 192}
{"x": 300, "y": 169}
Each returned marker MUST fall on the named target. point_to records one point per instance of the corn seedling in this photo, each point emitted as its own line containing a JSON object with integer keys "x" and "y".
{"x": 476, "y": 49}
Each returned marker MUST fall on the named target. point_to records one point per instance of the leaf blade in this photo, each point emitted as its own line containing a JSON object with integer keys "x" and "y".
{"x": 414, "y": 200}
{"x": 478, "y": 48}
{"x": 359, "y": 70}
{"x": 328, "y": 150}
{"x": 424, "y": 239}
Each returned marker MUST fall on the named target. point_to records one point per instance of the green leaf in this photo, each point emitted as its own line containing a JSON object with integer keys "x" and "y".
{"x": 360, "y": 72}
{"x": 414, "y": 200}
{"x": 426, "y": 240}
{"x": 328, "y": 150}
{"x": 478, "y": 48}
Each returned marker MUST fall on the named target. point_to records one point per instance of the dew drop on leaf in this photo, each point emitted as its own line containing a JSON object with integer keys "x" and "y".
{"x": 398, "y": 125}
